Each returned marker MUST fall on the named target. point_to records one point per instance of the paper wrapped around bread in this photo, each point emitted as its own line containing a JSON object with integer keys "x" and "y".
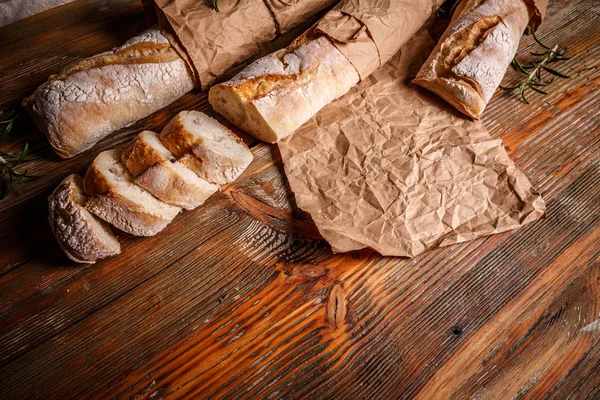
{"x": 275, "y": 95}
{"x": 96, "y": 96}
{"x": 395, "y": 169}
{"x": 212, "y": 42}
{"x": 467, "y": 65}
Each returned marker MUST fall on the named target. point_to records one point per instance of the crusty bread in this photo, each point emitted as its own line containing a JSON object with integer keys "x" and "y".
{"x": 159, "y": 173}
{"x": 143, "y": 152}
{"x": 468, "y": 64}
{"x": 82, "y": 236}
{"x": 115, "y": 198}
{"x": 206, "y": 147}
{"x": 99, "y": 95}
{"x": 275, "y": 95}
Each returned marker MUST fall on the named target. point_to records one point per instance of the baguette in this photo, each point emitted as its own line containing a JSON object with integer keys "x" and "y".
{"x": 468, "y": 64}
{"x": 98, "y": 95}
{"x": 83, "y": 237}
{"x": 158, "y": 172}
{"x": 206, "y": 147}
{"x": 120, "y": 187}
{"x": 275, "y": 95}
{"x": 115, "y": 198}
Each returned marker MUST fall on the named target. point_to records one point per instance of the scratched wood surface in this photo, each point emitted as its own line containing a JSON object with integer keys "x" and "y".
{"x": 241, "y": 297}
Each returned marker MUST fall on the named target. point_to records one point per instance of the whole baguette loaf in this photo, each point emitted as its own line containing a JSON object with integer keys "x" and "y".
{"x": 275, "y": 95}
{"x": 82, "y": 236}
{"x": 98, "y": 95}
{"x": 158, "y": 172}
{"x": 115, "y": 198}
{"x": 468, "y": 63}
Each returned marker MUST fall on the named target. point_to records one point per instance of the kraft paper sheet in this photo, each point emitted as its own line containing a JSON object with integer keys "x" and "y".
{"x": 391, "y": 167}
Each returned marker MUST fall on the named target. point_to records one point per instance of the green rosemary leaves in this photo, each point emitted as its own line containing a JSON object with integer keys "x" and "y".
{"x": 8, "y": 161}
{"x": 533, "y": 71}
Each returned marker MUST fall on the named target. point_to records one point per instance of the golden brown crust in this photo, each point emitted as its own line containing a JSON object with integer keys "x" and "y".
{"x": 139, "y": 156}
{"x": 94, "y": 182}
{"x": 176, "y": 137}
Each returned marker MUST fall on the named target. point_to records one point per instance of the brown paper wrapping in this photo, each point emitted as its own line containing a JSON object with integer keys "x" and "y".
{"x": 213, "y": 42}
{"x": 539, "y": 11}
{"x": 370, "y": 32}
{"x": 393, "y": 168}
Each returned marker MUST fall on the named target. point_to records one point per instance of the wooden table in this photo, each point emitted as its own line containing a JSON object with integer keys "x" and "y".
{"x": 237, "y": 299}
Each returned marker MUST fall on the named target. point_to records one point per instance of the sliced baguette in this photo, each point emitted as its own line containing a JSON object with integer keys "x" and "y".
{"x": 119, "y": 201}
{"x": 206, "y": 147}
{"x": 159, "y": 173}
{"x": 82, "y": 236}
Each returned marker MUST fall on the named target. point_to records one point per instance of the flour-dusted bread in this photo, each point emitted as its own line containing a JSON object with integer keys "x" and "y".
{"x": 468, "y": 64}
{"x": 82, "y": 236}
{"x": 206, "y": 147}
{"x": 98, "y": 95}
{"x": 275, "y": 95}
{"x": 115, "y": 198}
{"x": 158, "y": 172}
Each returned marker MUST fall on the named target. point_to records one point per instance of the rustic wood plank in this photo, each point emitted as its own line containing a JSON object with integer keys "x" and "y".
{"x": 241, "y": 297}
{"x": 234, "y": 308}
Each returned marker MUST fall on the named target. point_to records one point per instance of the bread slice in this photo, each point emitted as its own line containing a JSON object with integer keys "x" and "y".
{"x": 145, "y": 151}
{"x": 159, "y": 173}
{"x": 118, "y": 200}
{"x": 275, "y": 95}
{"x": 82, "y": 236}
{"x": 206, "y": 147}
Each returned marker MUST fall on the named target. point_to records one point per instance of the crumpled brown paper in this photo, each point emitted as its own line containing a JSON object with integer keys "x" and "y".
{"x": 213, "y": 42}
{"x": 539, "y": 11}
{"x": 393, "y": 168}
{"x": 370, "y": 32}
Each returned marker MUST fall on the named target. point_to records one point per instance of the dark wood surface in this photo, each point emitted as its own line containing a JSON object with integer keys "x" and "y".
{"x": 241, "y": 297}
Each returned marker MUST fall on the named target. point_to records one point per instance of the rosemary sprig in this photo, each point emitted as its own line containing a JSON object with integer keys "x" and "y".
{"x": 214, "y": 4}
{"x": 8, "y": 161}
{"x": 533, "y": 70}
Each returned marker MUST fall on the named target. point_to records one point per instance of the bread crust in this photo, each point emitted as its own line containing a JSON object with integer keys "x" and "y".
{"x": 96, "y": 96}
{"x": 275, "y": 95}
{"x": 83, "y": 237}
{"x": 468, "y": 63}
{"x": 139, "y": 155}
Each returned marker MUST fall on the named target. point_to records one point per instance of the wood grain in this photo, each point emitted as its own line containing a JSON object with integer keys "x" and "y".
{"x": 242, "y": 299}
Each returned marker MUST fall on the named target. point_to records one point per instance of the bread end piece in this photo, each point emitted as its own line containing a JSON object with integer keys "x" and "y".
{"x": 276, "y": 94}
{"x": 83, "y": 237}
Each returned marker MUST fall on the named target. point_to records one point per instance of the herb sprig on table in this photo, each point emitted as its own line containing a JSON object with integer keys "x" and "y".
{"x": 9, "y": 161}
{"x": 533, "y": 71}
{"x": 214, "y": 4}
